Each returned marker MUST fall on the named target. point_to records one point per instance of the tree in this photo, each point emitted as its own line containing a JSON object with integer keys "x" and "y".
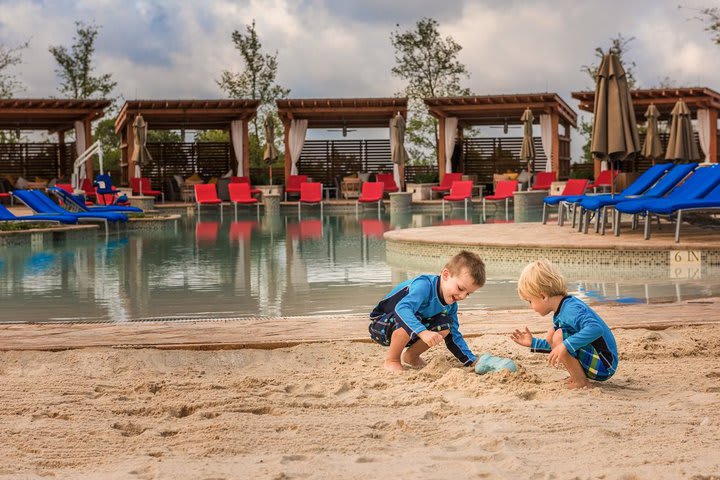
{"x": 9, "y": 57}
{"x": 619, "y": 46}
{"x": 429, "y": 64}
{"x": 711, "y": 17}
{"x": 76, "y": 67}
{"x": 256, "y": 82}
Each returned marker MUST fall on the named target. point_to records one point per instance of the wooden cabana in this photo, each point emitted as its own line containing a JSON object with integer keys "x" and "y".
{"x": 54, "y": 116}
{"x": 319, "y": 159}
{"x": 501, "y": 111}
{"x": 192, "y": 115}
{"x": 664, "y": 99}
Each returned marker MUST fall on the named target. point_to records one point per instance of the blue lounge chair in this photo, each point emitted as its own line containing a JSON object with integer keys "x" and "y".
{"x": 7, "y": 216}
{"x": 666, "y": 183}
{"x": 711, "y": 201}
{"x": 72, "y": 202}
{"x": 695, "y": 187}
{"x": 41, "y": 203}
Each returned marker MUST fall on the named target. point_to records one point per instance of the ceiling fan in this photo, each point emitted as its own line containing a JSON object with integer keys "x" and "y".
{"x": 344, "y": 130}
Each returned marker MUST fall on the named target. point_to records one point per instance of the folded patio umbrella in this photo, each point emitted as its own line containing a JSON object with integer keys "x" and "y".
{"x": 527, "y": 150}
{"x": 681, "y": 145}
{"x": 141, "y": 155}
{"x": 652, "y": 147}
{"x": 615, "y": 136}
{"x": 270, "y": 153}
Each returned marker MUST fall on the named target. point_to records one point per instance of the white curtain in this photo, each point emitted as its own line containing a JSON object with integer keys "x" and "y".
{"x": 451, "y": 124}
{"x": 298, "y": 128}
{"x": 80, "y": 146}
{"x": 393, "y": 141}
{"x": 546, "y": 137}
{"x": 236, "y": 135}
{"x": 703, "y": 128}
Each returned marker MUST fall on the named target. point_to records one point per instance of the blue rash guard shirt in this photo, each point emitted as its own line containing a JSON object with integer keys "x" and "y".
{"x": 420, "y": 298}
{"x": 583, "y": 327}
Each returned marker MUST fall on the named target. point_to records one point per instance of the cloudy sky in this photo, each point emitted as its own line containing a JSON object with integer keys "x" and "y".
{"x": 341, "y": 48}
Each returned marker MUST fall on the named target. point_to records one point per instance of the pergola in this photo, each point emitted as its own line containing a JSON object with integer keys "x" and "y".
{"x": 185, "y": 114}
{"x": 505, "y": 110}
{"x": 341, "y": 113}
{"x": 56, "y": 116}
{"x": 696, "y": 98}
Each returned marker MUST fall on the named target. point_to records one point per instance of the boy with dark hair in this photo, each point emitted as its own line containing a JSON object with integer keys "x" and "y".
{"x": 422, "y": 312}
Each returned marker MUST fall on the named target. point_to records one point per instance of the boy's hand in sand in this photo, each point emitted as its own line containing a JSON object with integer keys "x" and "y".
{"x": 556, "y": 353}
{"x": 522, "y": 338}
{"x": 430, "y": 338}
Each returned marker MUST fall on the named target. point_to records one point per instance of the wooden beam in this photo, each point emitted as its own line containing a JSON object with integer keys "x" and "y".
{"x": 441, "y": 148}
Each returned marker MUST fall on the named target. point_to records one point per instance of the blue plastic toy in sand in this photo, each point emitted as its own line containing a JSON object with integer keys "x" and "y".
{"x": 488, "y": 363}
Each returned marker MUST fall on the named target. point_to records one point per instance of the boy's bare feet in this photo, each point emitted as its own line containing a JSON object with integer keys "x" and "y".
{"x": 393, "y": 366}
{"x": 414, "y": 362}
{"x": 571, "y": 385}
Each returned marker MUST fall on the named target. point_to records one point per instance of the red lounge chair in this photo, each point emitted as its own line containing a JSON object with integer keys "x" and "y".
{"x": 372, "y": 192}
{"x": 543, "y": 180}
{"x": 206, "y": 194}
{"x": 141, "y": 186}
{"x": 604, "y": 179}
{"x": 505, "y": 191}
{"x": 241, "y": 193}
{"x": 310, "y": 193}
{"x": 447, "y": 182}
{"x": 388, "y": 179}
{"x": 459, "y": 192}
{"x": 253, "y": 191}
{"x": 293, "y": 184}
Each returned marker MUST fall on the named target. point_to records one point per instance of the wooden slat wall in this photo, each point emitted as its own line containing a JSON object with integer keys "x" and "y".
{"x": 208, "y": 159}
{"x": 30, "y": 160}
{"x": 487, "y": 156}
{"x": 323, "y": 160}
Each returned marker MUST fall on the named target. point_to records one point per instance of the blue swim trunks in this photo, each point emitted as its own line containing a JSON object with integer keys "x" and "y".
{"x": 382, "y": 327}
{"x": 589, "y": 358}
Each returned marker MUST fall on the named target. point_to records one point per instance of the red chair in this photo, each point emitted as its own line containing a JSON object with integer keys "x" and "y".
{"x": 459, "y": 192}
{"x": 253, "y": 191}
{"x": 447, "y": 182}
{"x": 5, "y": 195}
{"x": 141, "y": 186}
{"x": 87, "y": 187}
{"x": 505, "y": 190}
{"x": 241, "y": 193}
{"x": 573, "y": 188}
{"x": 388, "y": 179}
{"x": 372, "y": 192}
{"x": 605, "y": 179}
{"x": 310, "y": 193}
{"x": 543, "y": 180}
{"x": 206, "y": 194}
{"x": 293, "y": 184}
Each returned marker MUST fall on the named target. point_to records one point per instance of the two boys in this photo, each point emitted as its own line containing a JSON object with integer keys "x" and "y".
{"x": 422, "y": 312}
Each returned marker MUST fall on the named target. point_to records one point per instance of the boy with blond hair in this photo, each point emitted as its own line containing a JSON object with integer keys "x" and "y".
{"x": 422, "y": 312}
{"x": 579, "y": 339}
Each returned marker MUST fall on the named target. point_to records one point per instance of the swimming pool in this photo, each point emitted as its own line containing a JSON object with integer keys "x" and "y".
{"x": 277, "y": 266}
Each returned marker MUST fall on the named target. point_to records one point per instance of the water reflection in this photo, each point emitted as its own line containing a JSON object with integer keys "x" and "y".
{"x": 275, "y": 266}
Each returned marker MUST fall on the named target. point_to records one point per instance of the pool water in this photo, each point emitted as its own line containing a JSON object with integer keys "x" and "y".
{"x": 277, "y": 266}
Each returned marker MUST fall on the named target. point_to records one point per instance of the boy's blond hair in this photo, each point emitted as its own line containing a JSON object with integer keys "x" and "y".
{"x": 539, "y": 279}
{"x": 471, "y": 262}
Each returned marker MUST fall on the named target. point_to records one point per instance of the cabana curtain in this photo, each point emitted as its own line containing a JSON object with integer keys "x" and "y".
{"x": 703, "y": 128}
{"x": 546, "y": 136}
{"x": 298, "y": 129}
{"x": 80, "y": 144}
{"x": 451, "y": 124}
{"x": 236, "y": 136}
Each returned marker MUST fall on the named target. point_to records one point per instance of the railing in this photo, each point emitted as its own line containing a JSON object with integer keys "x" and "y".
{"x": 30, "y": 160}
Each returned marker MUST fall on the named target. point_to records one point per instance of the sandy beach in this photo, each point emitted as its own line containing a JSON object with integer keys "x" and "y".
{"x": 329, "y": 410}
